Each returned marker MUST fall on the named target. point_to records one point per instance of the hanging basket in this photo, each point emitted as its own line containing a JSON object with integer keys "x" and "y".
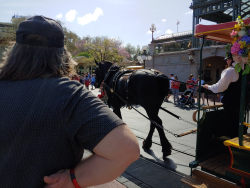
{"x": 240, "y": 47}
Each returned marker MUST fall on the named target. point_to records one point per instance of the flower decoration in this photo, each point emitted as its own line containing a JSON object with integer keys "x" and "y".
{"x": 240, "y": 47}
{"x": 234, "y": 34}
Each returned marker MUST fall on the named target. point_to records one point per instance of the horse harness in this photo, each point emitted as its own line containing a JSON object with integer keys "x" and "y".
{"x": 118, "y": 74}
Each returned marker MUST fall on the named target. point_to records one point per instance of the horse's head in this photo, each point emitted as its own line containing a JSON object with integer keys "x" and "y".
{"x": 101, "y": 71}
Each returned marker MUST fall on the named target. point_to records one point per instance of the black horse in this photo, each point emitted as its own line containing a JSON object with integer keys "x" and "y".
{"x": 145, "y": 87}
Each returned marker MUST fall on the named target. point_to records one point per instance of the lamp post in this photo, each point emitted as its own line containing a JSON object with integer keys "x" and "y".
{"x": 144, "y": 56}
{"x": 152, "y": 29}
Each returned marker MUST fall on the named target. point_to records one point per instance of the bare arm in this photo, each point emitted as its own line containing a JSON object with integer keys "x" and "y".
{"x": 112, "y": 156}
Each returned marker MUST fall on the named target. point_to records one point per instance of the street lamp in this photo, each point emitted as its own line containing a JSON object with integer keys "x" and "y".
{"x": 152, "y": 29}
{"x": 144, "y": 56}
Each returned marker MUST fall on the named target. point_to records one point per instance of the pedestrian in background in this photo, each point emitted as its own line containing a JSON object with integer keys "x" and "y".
{"x": 189, "y": 82}
{"x": 175, "y": 89}
{"x": 47, "y": 120}
{"x": 92, "y": 81}
{"x": 202, "y": 91}
{"x": 87, "y": 81}
{"x": 170, "y": 88}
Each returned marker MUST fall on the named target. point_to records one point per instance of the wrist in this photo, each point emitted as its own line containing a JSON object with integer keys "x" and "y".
{"x": 73, "y": 179}
{"x": 70, "y": 183}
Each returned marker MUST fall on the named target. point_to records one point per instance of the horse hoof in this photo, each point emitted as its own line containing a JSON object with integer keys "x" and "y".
{"x": 165, "y": 154}
{"x": 146, "y": 145}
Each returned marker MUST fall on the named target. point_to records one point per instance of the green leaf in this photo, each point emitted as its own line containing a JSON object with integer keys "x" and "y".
{"x": 237, "y": 68}
{"x": 247, "y": 69}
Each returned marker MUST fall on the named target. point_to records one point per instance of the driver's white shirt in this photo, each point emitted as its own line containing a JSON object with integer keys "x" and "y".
{"x": 227, "y": 76}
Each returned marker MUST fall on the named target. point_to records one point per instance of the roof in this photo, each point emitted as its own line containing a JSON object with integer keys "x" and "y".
{"x": 219, "y": 32}
{"x": 245, "y": 9}
{"x": 173, "y": 35}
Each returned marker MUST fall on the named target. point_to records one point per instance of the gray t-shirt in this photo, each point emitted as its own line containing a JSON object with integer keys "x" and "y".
{"x": 45, "y": 124}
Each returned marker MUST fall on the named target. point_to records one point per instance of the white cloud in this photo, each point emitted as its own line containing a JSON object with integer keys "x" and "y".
{"x": 90, "y": 17}
{"x": 71, "y": 15}
{"x": 189, "y": 12}
{"x": 159, "y": 31}
{"x": 59, "y": 15}
{"x": 149, "y": 32}
{"x": 169, "y": 31}
{"x": 163, "y": 20}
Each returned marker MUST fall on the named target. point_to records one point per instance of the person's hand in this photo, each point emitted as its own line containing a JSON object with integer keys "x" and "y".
{"x": 205, "y": 86}
{"x": 60, "y": 179}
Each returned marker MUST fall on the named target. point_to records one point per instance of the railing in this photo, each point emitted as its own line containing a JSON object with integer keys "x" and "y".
{"x": 201, "y": 1}
{"x": 180, "y": 46}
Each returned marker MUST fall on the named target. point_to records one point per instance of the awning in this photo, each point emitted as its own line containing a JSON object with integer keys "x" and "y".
{"x": 219, "y": 32}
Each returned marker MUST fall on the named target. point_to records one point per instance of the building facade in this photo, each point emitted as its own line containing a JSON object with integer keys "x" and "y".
{"x": 171, "y": 52}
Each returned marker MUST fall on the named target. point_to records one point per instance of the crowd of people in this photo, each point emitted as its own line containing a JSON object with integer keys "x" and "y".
{"x": 174, "y": 86}
{"x": 85, "y": 79}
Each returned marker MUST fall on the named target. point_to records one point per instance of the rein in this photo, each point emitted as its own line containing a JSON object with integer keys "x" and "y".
{"x": 179, "y": 81}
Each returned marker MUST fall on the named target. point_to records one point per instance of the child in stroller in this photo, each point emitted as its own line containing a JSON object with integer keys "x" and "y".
{"x": 187, "y": 98}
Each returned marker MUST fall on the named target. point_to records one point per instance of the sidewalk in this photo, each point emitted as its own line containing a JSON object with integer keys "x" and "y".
{"x": 144, "y": 174}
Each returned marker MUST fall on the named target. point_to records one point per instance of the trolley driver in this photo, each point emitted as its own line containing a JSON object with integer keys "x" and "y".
{"x": 230, "y": 87}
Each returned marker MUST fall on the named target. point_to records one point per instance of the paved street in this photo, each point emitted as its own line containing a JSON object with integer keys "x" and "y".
{"x": 151, "y": 170}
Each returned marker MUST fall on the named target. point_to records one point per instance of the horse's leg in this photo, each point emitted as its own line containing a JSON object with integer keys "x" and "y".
{"x": 166, "y": 146}
{"x": 117, "y": 111}
{"x": 148, "y": 142}
{"x": 116, "y": 108}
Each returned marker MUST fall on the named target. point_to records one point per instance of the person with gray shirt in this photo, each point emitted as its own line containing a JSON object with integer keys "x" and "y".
{"x": 48, "y": 120}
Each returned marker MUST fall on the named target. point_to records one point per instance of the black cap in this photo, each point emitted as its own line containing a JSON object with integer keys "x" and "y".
{"x": 43, "y": 26}
{"x": 229, "y": 56}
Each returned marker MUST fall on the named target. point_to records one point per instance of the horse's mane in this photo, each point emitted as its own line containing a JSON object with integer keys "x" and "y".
{"x": 107, "y": 63}
{"x": 111, "y": 64}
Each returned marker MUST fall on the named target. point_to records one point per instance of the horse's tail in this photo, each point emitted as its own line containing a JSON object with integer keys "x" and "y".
{"x": 163, "y": 83}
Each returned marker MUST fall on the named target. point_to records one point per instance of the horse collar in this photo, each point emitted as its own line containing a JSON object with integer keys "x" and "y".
{"x": 111, "y": 69}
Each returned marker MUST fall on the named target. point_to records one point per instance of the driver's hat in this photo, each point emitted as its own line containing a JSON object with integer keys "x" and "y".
{"x": 228, "y": 56}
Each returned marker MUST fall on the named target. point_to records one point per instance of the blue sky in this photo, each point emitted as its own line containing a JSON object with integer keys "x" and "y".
{"x": 127, "y": 19}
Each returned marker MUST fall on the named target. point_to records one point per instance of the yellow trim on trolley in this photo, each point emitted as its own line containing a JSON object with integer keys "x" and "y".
{"x": 233, "y": 144}
{"x": 214, "y": 31}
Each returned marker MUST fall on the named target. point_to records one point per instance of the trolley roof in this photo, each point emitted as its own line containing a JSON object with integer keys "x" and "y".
{"x": 134, "y": 67}
{"x": 219, "y": 32}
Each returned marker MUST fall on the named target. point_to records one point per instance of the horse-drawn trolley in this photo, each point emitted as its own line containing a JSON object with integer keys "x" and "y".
{"x": 221, "y": 161}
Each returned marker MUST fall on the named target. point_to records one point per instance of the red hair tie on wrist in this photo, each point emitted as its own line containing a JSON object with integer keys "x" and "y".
{"x": 73, "y": 178}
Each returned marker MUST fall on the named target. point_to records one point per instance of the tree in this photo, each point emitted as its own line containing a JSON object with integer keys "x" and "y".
{"x": 86, "y": 54}
{"x": 70, "y": 40}
{"x": 87, "y": 39}
{"x": 137, "y": 52}
{"x": 131, "y": 50}
{"x": 103, "y": 49}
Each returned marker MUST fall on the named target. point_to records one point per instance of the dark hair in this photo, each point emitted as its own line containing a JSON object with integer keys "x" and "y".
{"x": 230, "y": 64}
{"x": 22, "y": 61}
{"x": 176, "y": 77}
